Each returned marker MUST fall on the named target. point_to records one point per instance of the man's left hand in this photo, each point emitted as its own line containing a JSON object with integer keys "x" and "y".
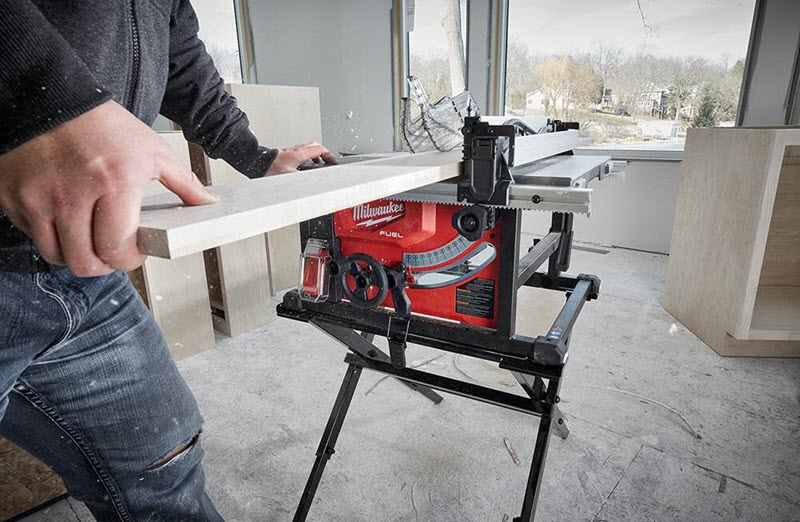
{"x": 289, "y": 159}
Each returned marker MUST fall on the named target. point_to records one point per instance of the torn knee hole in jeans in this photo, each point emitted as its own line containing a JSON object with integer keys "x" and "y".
{"x": 175, "y": 454}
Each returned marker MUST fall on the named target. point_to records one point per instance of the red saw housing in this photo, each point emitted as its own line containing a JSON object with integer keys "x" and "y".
{"x": 448, "y": 276}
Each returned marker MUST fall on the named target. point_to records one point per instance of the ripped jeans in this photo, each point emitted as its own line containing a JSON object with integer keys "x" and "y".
{"x": 88, "y": 386}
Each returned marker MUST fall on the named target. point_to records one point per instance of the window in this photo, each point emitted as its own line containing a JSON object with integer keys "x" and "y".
{"x": 437, "y": 46}
{"x": 635, "y": 73}
{"x": 218, "y": 31}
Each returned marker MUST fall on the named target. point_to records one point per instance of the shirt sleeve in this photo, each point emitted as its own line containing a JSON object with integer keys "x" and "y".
{"x": 43, "y": 82}
{"x": 196, "y": 100}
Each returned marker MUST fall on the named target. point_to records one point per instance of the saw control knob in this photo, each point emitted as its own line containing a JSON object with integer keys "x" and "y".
{"x": 471, "y": 222}
{"x": 364, "y": 274}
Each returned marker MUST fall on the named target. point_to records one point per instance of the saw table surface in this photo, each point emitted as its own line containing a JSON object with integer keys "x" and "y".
{"x": 561, "y": 171}
{"x": 169, "y": 229}
{"x": 554, "y": 184}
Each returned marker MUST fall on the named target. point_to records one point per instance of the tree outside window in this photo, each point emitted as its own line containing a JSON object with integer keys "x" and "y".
{"x": 633, "y": 72}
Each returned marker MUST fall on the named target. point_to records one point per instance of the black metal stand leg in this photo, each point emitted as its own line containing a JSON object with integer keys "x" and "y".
{"x": 553, "y": 420}
{"x": 537, "y": 469}
{"x": 328, "y": 441}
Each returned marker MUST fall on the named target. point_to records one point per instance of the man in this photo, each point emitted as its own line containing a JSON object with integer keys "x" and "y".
{"x": 86, "y": 381}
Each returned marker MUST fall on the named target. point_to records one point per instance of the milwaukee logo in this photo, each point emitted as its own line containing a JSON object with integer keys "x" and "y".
{"x": 369, "y": 215}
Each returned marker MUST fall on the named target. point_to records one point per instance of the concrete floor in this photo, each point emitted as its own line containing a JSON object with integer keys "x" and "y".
{"x": 637, "y": 389}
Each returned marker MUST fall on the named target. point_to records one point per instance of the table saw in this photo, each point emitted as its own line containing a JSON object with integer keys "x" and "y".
{"x": 440, "y": 266}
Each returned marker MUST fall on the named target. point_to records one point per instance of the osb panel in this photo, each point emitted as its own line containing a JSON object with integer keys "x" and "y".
{"x": 24, "y": 481}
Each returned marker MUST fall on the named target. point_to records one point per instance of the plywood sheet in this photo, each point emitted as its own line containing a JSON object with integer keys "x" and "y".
{"x": 176, "y": 291}
{"x": 280, "y": 116}
{"x": 170, "y": 230}
{"x": 782, "y": 254}
{"x": 245, "y": 286}
{"x": 776, "y": 315}
{"x": 25, "y": 482}
{"x": 283, "y": 251}
{"x": 725, "y": 203}
{"x": 237, "y": 273}
{"x": 178, "y": 296}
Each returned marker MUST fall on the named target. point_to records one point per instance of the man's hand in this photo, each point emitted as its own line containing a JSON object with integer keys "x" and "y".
{"x": 77, "y": 189}
{"x": 289, "y": 159}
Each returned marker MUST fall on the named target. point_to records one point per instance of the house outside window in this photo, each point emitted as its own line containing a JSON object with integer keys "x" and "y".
{"x": 633, "y": 73}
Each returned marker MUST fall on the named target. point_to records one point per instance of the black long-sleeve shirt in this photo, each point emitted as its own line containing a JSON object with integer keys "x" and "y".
{"x": 61, "y": 58}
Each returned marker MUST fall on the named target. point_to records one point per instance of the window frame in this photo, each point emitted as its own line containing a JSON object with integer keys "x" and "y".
{"x": 656, "y": 154}
{"x": 480, "y": 78}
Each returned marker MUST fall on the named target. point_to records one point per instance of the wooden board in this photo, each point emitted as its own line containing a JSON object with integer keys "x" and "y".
{"x": 237, "y": 273}
{"x": 176, "y": 291}
{"x": 244, "y": 287}
{"x": 724, "y": 211}
{"x": 776, "y": 315}
{"x": 280, "y": 116}
{"x": 782, "y": 255}
{"x": 170, "y": 230}
{"x": 283, "y": 251}
{"x": 178, "y": 296}
{"x": 243, "y": 275}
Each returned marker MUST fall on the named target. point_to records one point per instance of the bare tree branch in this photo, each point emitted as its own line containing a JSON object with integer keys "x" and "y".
{"x": 645, "y": 23}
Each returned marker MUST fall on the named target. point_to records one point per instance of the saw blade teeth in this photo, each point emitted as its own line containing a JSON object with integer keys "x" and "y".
{"x": 458, "y": 204}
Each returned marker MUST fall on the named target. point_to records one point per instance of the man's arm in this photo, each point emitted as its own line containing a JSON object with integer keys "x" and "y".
{"x": 197, "y": 101}
{"x": 43, "y": 83}
{"x": 73, "y": 165}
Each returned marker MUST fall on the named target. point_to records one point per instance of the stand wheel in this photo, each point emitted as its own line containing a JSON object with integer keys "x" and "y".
{"x": 363, "y": 275}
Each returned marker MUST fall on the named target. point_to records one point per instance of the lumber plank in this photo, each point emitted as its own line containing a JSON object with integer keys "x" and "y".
{"x": 280, "y": 116}
{"x": 782, "y": 255}
{"x": 178, "y": 295}
{"x": 168, "y": 229}
{"x": 176, "y": 291}
{"x": 244, "y": 287}
{"x": 237, "y": 273}
{"x": 776, "y": 315}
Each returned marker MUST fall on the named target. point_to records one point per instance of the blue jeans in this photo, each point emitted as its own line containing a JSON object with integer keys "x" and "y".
{"x": 88, "y": 386}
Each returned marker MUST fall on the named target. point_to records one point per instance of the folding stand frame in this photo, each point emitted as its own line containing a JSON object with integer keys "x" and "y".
{"x": 532, "y": 361}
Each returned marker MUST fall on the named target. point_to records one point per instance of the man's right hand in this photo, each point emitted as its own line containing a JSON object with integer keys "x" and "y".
{"x": 77, "y": 189}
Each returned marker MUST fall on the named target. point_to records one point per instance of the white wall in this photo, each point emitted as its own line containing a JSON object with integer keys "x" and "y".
{"x": 636, "y": 212}
{"x": 344, "y": 49}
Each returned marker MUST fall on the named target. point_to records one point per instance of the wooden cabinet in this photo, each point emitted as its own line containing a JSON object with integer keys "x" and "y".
{"x": 734, "y": 268}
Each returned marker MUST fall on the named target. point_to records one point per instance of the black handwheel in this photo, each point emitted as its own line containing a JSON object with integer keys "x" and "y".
{"x": 365, "y": 274}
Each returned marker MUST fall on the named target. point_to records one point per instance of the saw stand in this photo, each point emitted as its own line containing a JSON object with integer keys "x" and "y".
{"x": 532, "y": 361}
